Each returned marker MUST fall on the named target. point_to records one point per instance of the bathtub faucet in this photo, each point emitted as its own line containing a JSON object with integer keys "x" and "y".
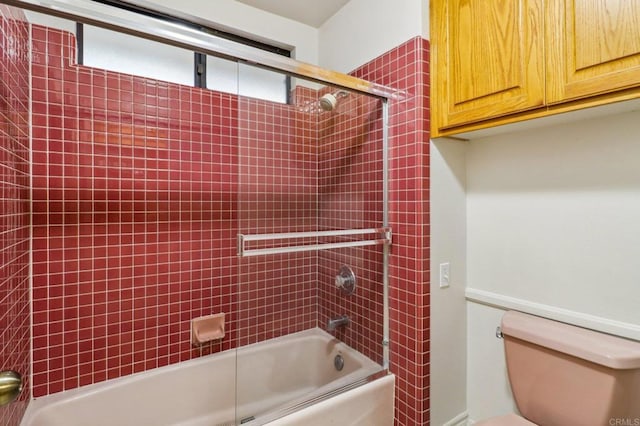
{"x": 341, "y": 321}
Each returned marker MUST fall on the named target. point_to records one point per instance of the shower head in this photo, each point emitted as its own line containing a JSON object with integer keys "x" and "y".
{"x": 329, "y": 101}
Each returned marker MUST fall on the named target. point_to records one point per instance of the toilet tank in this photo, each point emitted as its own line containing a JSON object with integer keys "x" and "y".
{"x": 565, "y": 375}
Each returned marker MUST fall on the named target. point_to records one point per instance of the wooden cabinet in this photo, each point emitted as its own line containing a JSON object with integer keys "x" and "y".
{"x": 488, "y": 59}
{"x": 593, "y": 47}
{"x": 498, "y": 61}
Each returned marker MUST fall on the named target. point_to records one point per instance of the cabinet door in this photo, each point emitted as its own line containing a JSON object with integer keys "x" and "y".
{"x": 593, "y": 47}
{"x": 488, "y": 59}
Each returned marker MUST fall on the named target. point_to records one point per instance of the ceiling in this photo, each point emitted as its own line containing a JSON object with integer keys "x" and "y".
{"x": 310, "y": 12}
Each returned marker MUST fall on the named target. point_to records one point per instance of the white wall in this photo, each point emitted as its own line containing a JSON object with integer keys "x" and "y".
{"x": 552, "y": 222}
{"x": 488, "y": 390}
{"x": 553, "y": 216}
{"x": 253, "y": 22}
{"x": 240, "y": 18}
{"x": 50, "y": 21}
{"x": 448, "y": 318}
{"x": 364, "y": 29}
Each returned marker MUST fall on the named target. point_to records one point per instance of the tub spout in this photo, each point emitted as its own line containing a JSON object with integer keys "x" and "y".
{"x": 341, "y": 321}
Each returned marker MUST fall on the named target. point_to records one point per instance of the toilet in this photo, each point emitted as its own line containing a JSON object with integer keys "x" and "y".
{"x": 565, "y": 375}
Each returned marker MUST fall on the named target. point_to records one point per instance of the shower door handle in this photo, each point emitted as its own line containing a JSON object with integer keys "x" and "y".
{"x": 10, "y": 386}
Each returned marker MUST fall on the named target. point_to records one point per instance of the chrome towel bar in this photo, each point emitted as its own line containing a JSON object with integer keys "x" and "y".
{"x": 383, "y": 236}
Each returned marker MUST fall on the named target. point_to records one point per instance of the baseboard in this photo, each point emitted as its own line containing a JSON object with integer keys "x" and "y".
{"x": 459, "y": 420}
{"x": 604, "y": 325}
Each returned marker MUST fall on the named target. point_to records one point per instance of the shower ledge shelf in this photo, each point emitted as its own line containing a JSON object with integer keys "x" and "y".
{"x": 382, "y": 236}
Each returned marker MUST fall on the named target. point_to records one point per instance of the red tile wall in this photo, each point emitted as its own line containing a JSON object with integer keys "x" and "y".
{"x": 407, "y": 68}
{"x": 350, "y": 162}
{"x": 139, "y": 190}
{"x": 14, "y": 213}
{"x": 277, "y": 192}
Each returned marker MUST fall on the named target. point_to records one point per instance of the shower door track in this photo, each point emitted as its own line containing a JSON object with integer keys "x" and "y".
{"x": 177, "y": 34}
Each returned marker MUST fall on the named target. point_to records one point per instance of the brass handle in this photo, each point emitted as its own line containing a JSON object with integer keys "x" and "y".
{"x": 10, "y": 386}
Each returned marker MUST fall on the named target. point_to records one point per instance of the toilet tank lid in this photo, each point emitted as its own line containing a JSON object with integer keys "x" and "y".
{"x": 604, "y": 349}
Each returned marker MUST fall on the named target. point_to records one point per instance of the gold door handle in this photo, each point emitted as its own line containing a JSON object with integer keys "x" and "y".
{"x": 10, "y": 386}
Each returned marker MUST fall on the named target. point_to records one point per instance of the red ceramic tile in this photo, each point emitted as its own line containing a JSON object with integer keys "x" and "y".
{"x": 406, "y": 68}
{"x": 14, "y": 211}
{"x": 154, "y": 181}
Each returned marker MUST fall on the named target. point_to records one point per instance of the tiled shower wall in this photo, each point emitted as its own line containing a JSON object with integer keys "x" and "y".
{"x": 350, "y": 171}
{"x": 407, "y": 68}
{"x": 350, "y": 181}
{"x": 138, "y": 199}
{"x": 134, "y": 219}
{"x": 140, "y": 188}
{"x": 277, "y": 192}
{"x": 14, "y": 199}
{"x": 349, "y": 196}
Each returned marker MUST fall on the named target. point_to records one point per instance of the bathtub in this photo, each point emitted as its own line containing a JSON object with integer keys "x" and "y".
{"x": 276, "y": 379}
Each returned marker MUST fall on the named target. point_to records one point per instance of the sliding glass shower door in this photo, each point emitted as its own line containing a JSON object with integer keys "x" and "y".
{"x": 310, "y": 204}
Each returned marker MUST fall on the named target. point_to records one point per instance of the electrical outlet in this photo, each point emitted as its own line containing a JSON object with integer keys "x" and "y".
{"x": 445, "y": 276}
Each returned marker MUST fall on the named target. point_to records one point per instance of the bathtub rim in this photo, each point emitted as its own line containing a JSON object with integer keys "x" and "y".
{"x": 288, "y": 409}
{"x": 38, "y": 404}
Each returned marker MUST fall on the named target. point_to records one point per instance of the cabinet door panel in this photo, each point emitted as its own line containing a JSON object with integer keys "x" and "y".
{"x": 593, "y": 47}
{"x": 488, "y": 57}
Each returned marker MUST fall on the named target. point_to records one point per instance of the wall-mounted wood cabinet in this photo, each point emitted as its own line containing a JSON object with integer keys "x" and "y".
{"x": 499, "y": 61}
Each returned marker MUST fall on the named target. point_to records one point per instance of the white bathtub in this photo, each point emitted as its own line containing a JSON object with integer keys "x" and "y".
{"x": 272, "y": 377}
